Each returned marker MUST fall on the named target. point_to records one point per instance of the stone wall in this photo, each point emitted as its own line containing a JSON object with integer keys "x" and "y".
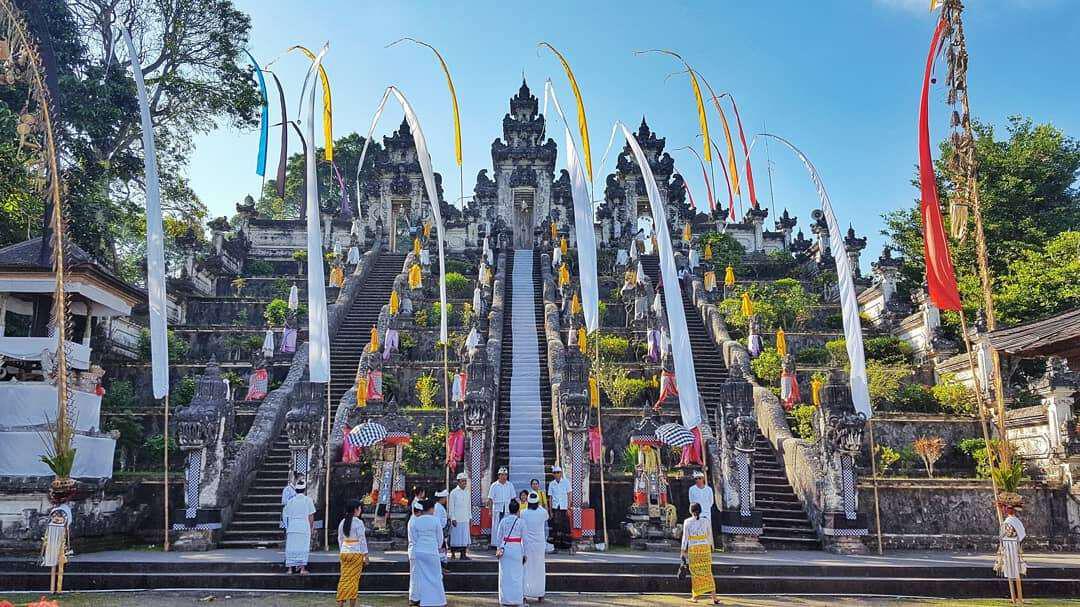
{"x": 957, "y": 515}
{"x": 899, "y": 430}
{"x": 111, "y": 516}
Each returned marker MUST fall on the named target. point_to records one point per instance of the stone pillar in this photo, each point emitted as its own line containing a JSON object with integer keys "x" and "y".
{"x": 840, "y": 431}
{"x": 854, "y": 246}
{"x": 202, "y": 429}
{"x": 740, "y": 522}
{"x": 478, "y": 409}
{"x": 886, "y": 271}
{"x": 820, "y": 229}
{"x": 574, "y": 413}
{"x": 756, "y": 217}
{"x": 785, "y": 224}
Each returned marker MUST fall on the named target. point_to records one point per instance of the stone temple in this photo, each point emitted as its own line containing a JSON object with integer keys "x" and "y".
{"x": 780, "y": 442}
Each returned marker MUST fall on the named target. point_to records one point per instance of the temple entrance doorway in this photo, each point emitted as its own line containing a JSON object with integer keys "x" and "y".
{"x": 523, "y": 219}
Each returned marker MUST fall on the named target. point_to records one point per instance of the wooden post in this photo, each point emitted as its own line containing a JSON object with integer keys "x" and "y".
{"x": 326, "y": 480}
{"x": 600, "y": 429}
{"x": 446, "y": 393}
{"x": 873, "y": 472}
{"x": 166, "y": 544}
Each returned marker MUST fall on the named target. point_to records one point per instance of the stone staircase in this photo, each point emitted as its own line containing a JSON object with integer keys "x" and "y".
{"x": 506, "y": 408}
{"x": 785, "y": 524}
{"x": 256, "y": 522}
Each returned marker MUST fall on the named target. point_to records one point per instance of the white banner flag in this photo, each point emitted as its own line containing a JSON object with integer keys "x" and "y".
{"x": 685, "y": 375}
{"x": 583, "y": 223}
{"x": 424, "y": 158}
{"x": 849, "y": 304}
{"x": 318, "y": 328}
{"x": 155, "y": 237}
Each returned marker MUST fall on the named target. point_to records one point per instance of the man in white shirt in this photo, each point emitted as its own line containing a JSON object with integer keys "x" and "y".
{"x": 559, "y": 502}
{"x": 701, "y": 493}
{"x": 460, "y": 518}
{"x": 498, "y": 501}
{"x": 440, "y": 513}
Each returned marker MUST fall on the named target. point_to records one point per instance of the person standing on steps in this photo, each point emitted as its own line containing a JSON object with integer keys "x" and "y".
{"x": 287, "y": 494}
{"x": 299, "y": 515}
{"x": 352, "y": 551}
{"x": 559, "y": 499}
{"x": 500, "y": 494}
{"x": 696, "y": 551}
{"x": 443, "y": 518}
{"x": 535, "y": 517}
{"x": 701, "y": 493}
{"x": 511, "y": 535}
{"x": 460, "y": 518}
{"x": 425, "y": 568}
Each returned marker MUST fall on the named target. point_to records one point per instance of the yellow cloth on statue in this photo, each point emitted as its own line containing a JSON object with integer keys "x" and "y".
{"x": 686, "y": 234}
{"x": 427, "y": 230}
{"x": 815, "y": 391}
{"x": 395, "y": 303}
{"x": 700, "y": 561}
{"x": 582, "y": 340}
{"x": 554, "y": 231}
{"x": 416, "y": 245}
{"x": 575, "y": 305}
{"x": 594, "y": 392}
{"x": 337, "y": 277}
{"x": 710, "y": 281}
{"x": 564, "y": 276}
{"x": 729, "y": 277}
{"x": 374, "y": 339}
{"x": 781, "y": 343}
{"x": 650, "y": 459}
{"x": 747, "y": 305}
{"x": 415, "y": 278}
{"x": 361, "y": 390}
{"x": 563, "y": 246}
{"x": 708, "y": 252}
{"x": 352, "y": 565}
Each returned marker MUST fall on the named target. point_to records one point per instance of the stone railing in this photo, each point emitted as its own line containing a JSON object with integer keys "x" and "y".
{"x": 556, "y": 350}
{"x": 494, "y": 351}
{"x": 270, "y": 416}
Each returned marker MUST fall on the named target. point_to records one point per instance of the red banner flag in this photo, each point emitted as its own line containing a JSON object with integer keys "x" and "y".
{"x": 940, "y": 275}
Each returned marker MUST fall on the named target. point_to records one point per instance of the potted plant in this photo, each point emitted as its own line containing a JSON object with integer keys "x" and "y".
{"x": 60, "y": 458}
{"x": 300, "y": 257}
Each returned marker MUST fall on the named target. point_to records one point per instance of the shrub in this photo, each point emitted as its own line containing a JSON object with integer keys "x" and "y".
{"x": 915, "y": 398}
{"x": 629, "y": 458}
{"x": 456, "y": 266}
{"x": 467, "y": 314}
{"x": 804, "y": 422}
{"x": 178, "y": 348}
{"x": 613, "y": 347}
{"x": 726, "y": 251}
{"x": 238, "y": 284}
{"x": 457, "y": 285}
{"x": 154, "y": 447}
{"x": 782, "y": 303}
{"x": 837, "y": 349}
{"x": 427, "y": 388}
{"x": 436, "y": 314}
{"x": 406, "y": 342}
{"x": 885, "y": 382}
{"x": 602, "y": 310}
{"x": 299, "y": 255}
{"x": 259, "y": 267}
{"x": 275, "y": 312}
{"x": 425, "y": 454}
{"x": 621, "y": 389}
{"x": 813, "y": 356}
{"x": 886, "y": 458}
{"x": 767, "y": 367}
{"x": 282, "y": 286}
{"x": 184, "y": 391}
{"x": 953, "y": 395}
{"x": 975, "y": 448}
{"x": 120, "y": 395}
{"x": 930, "y": 449}
{"x": 888, "y": 349}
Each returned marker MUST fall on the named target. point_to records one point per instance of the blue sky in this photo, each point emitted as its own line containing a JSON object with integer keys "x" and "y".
{"x": 839, "y": 78}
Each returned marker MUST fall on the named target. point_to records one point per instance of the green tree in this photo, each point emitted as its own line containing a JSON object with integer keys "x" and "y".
{"x": 1041, "y": 282}
{"x": 1028, "y": 195}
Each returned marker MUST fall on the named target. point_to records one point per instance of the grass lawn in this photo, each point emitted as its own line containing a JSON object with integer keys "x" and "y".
{"x": 312, "y": 599}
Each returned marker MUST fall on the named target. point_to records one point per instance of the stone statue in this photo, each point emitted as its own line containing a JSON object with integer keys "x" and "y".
{"x": 840, "y": 428}
{"x": 740, "y": 523}
{"x": 651, "y": 521}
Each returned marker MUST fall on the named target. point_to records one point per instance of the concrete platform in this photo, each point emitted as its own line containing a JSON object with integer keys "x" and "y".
{"x": 782, "y": 572}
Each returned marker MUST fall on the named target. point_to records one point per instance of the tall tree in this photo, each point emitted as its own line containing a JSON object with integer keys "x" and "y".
{"x": 1028, "y": 196}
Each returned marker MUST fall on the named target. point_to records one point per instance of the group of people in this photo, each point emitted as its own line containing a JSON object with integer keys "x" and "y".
{"x": 439, "y": 529}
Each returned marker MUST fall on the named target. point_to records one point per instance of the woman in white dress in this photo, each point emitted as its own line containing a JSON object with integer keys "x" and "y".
{"x": 1010, "y": 562}
{"x": 511, "y": 554}
{"x": 535, "y": 517}
{"x": 697, "y": 549}
{"x": 425, "y": 564}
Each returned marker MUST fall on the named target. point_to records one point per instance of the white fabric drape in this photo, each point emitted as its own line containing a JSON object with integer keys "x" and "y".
{"x": 424, "y": 158}
{"x": 685, "y": 376}
{"x": 318, "y": 329}
{"x": 294, "y": 297}
{"x": 155, "y": 236}
{"x": 583, "y": 224}
{"x": 849, "y": 304}
{"x": 21, "y": 451}
{"x": 34, "y": 403}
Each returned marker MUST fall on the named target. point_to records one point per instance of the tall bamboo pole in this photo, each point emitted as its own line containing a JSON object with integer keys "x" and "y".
{"x": 326, "y": 480}
{"x": 600, "y": 429}
{"x": 874, "y": 477}
{"x": 165, "y": 545}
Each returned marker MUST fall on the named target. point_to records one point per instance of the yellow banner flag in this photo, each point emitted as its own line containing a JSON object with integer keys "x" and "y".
{"x": 594, "y": 392}
{"x": 361, "y": 391}
{"x": 747, "y": 305}
{"x": 328, "y": 106}
{"x": 374, "y": 339}
{"x": 563, "y": 246}
{"x": 702, "y": 118}
{"x": 564, "y": 276}
{"x": 582, "y": 341}
{"x": 781, "y": 343}
{"x": 707, "y": 255}
{"x": 554, "y": 231}
{"x": 415, "y": 278}
{"x": 427, "y": 229}
{"x": 729, "y": 277}
{"x": 815, "y": 391}
{"x": 416, "y": 246}
{"x": 583, "y": 125}
{"x": 575, "y": 304}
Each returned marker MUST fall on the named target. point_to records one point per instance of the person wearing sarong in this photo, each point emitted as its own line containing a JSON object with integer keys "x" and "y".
{"x": 511, "y": 536}
{"x": 697, "y": 553}
{"x": 299, "y": 515}
{"x": 1010, "y": 562}
{"x": 535, "y": 517}
{"x": 353, "y": 553}
{"x": 444, "y": 519}
{"x": 500, "y": 494}
{"x": 701, "y": 493}
{"x": 538, "y": 489}
{"x": 460, "y": 513}
{"x": 425, "y": 568}
{"x": 559, "y": 498}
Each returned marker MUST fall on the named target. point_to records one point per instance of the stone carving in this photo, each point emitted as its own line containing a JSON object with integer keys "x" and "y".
{"x": 197, "y": 425}
{"x": 737, "y": 429}
{"x": 651, "y": 521}
{"x": 574, "y": 392}
{"x": 840, "y": 429}
{"x": 303, "y": 425}
{"x": 523, "y": 177}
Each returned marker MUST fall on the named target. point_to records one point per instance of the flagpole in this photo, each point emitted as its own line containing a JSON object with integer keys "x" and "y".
{"x": 166, "y": 458}
{"x": 600, "y": 429}
{"x": 874, "y": 476}
{"x": 326, "y": 456}
{"x": 982, "y": 406}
